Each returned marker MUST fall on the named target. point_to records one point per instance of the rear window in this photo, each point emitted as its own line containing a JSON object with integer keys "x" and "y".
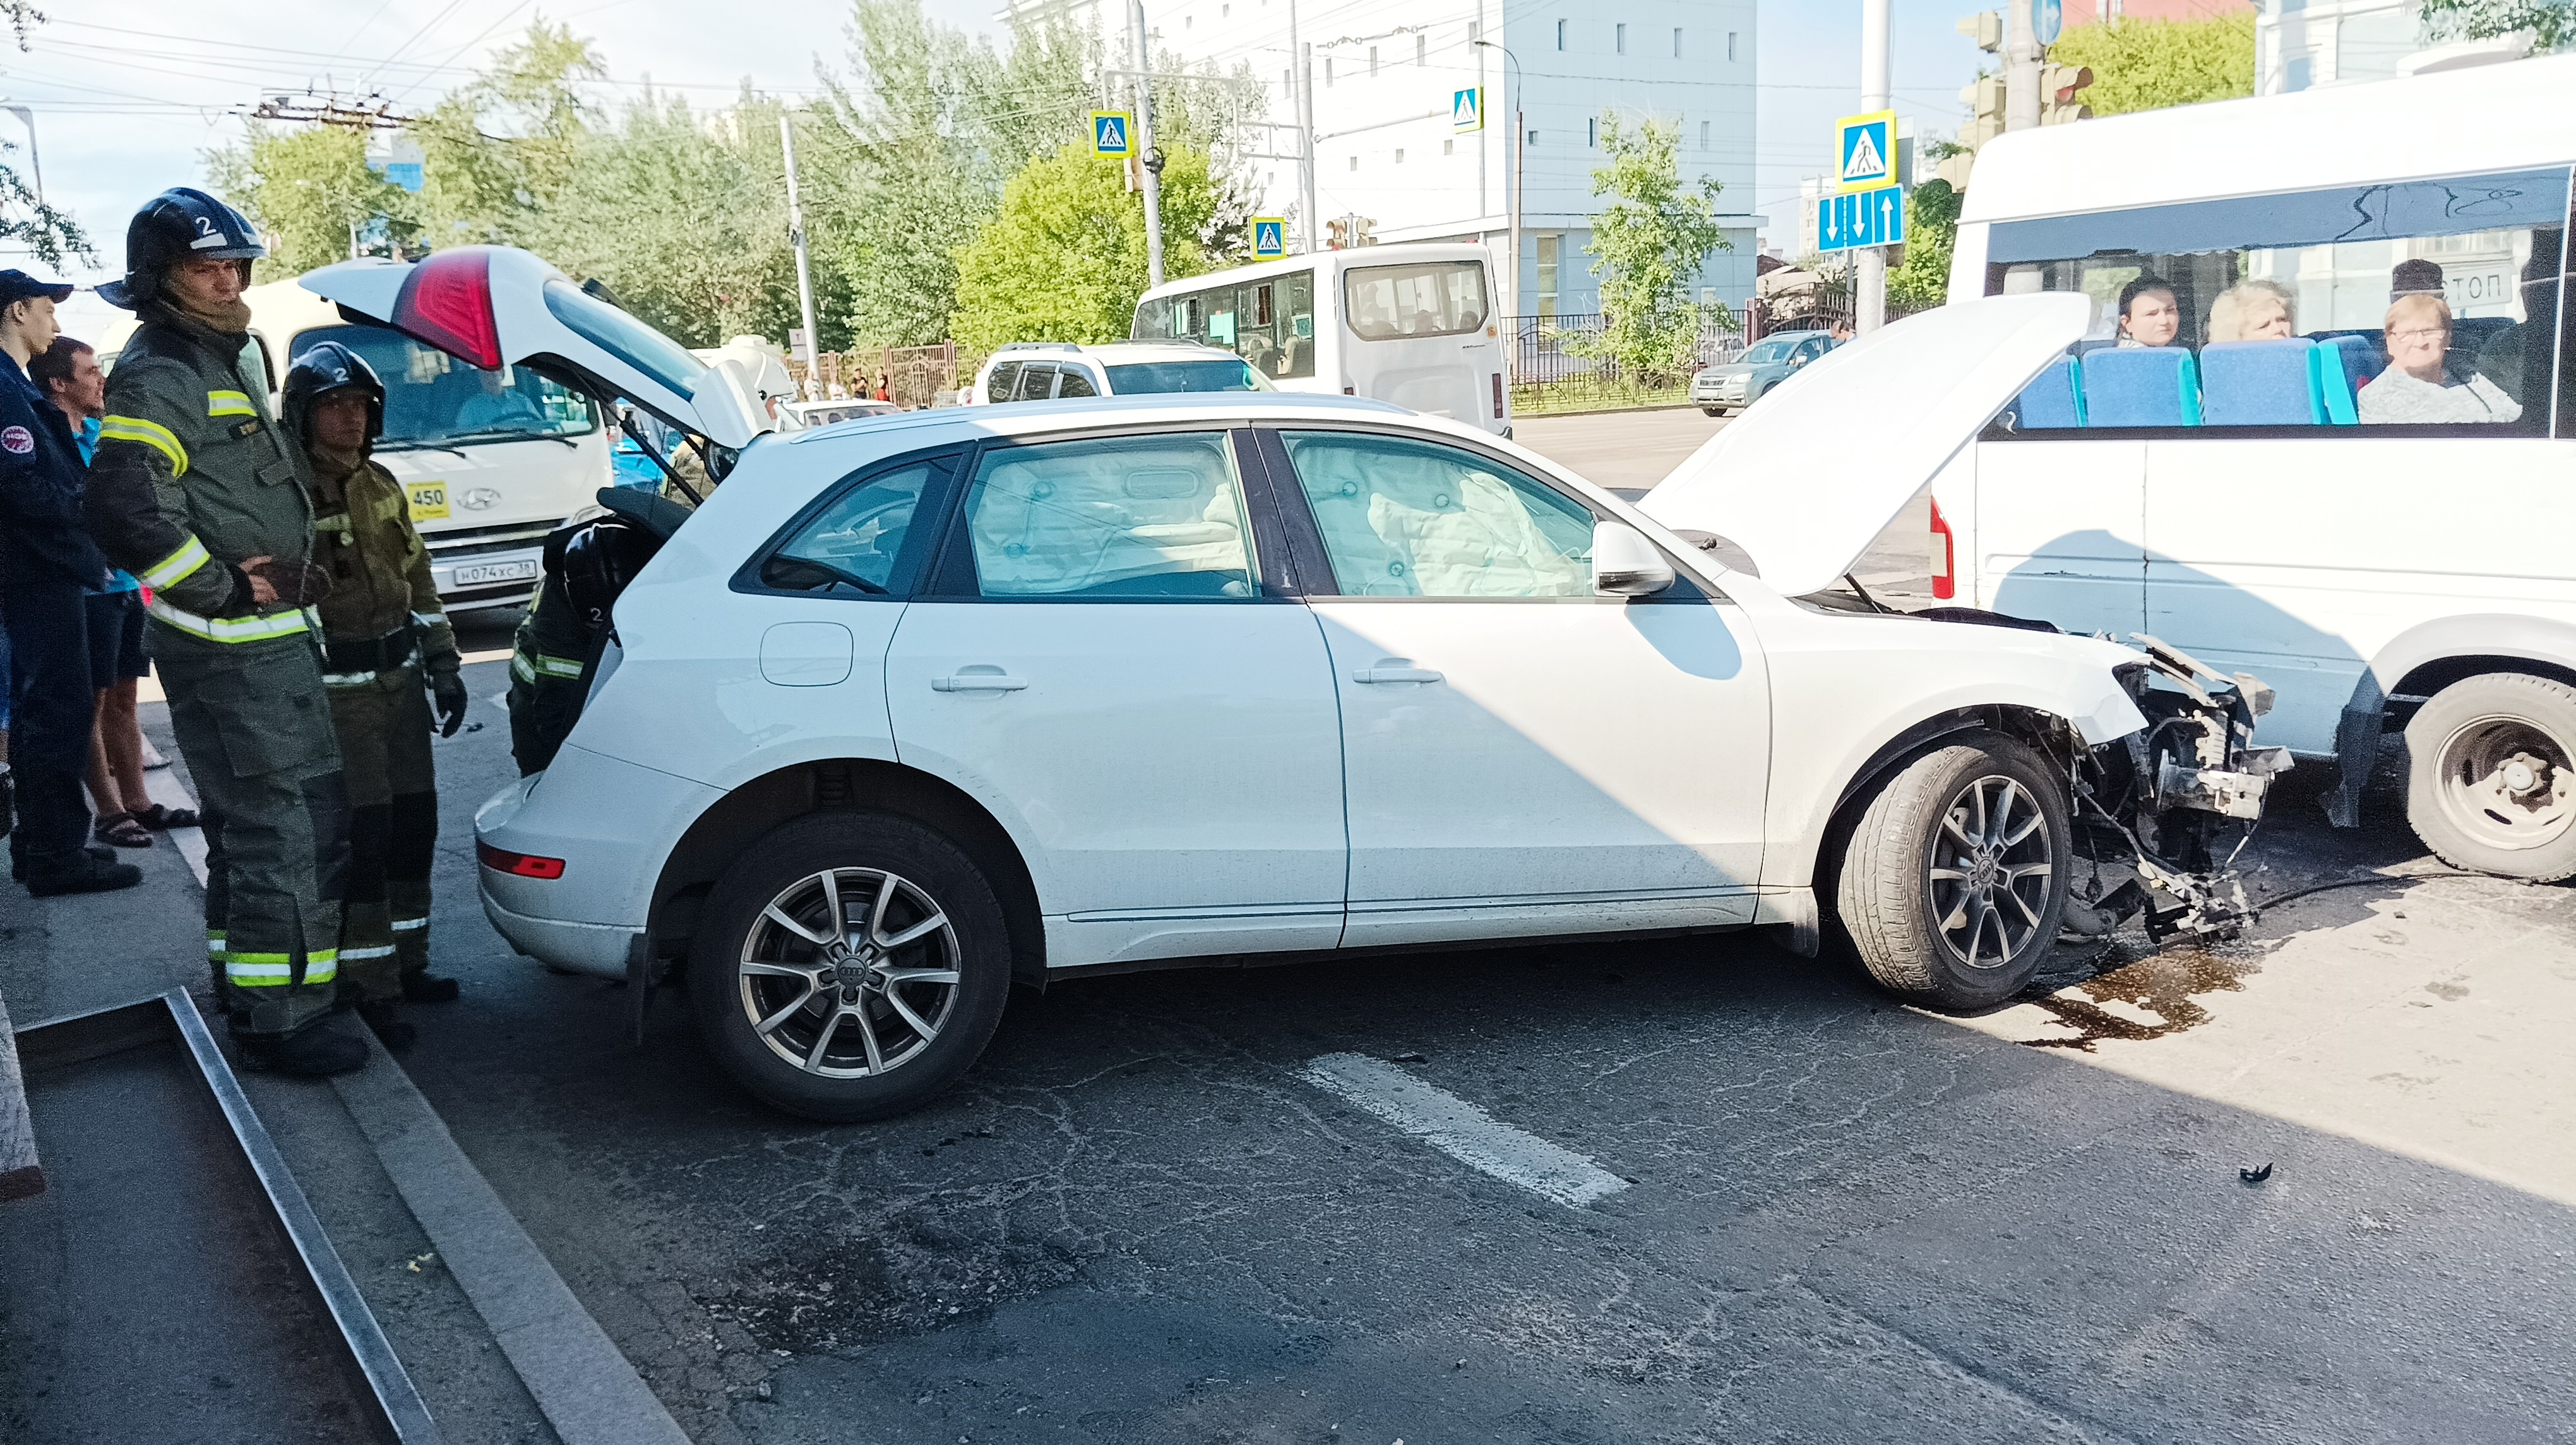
{"x": 433, "y": 399}
{"x": 1152, "y": 376}
{"x": 1427, "y": 298}
{"x": 629, "y": 340}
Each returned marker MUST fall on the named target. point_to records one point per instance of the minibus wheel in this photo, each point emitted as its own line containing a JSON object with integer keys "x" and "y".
{"x": 2491, "y": 776}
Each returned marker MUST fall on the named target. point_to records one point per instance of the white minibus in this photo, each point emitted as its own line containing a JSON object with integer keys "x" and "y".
{"x": 2323, "y": 431}
{"x": 1413, "y": 324}
{"x": 491, "y": 460}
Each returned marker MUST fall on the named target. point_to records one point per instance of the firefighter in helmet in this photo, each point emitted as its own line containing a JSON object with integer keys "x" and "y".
{"x": 388, "y": 655}
{"x": 197, "y": 492}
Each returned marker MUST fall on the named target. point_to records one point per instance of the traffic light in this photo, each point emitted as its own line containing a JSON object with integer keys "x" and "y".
{"x": 1348, "y": 231}
{"x": 2059, "y": 85}
{"x": 1339, "y": 229}
{"x": 1986, "y": 27}
{"x": 1363, "y": 231}
{"x": 1984, "y": 99}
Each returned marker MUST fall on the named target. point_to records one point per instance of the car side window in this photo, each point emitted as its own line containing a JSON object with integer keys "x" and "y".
{"x": 1037, "y": 381}
{"x": 1076, "y": 382}
{"x": 1133, "y": 516}
{"x": 1003, "y": 380}
{"x": 850, "y": 548}
{"x": 1406, "y": 518}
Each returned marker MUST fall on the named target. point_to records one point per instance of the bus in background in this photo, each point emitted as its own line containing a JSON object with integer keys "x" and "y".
{"x": 2324, "y": 430}
{"x": 1412, "y": 324}
{"x": 491, "y": 460}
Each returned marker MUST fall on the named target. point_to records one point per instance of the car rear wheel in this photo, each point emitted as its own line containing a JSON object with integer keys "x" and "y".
{"x": 850, "y": 966}
{"x": 1955, "y": 877}
{"x": 2491, "y": 776}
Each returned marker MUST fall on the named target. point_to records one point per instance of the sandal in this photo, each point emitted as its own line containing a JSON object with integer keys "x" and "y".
{"x": 121, "y": 830}
{"x": 161, "y": 819}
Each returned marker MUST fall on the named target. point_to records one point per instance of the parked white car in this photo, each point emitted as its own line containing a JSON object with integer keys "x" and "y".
{"x": 1055, "y": 370}
{"x": 909, "y": 709}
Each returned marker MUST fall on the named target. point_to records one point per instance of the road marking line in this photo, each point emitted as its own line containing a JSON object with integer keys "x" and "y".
{"x": 1461, "y": 1130}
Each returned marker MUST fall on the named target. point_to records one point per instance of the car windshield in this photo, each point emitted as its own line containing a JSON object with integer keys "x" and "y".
{"x": 432, "y": 399}
{"x": 1777, "y": 349}
{"x": 1228, "y": 374}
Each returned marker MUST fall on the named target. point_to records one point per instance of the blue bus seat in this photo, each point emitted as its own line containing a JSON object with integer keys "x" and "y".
{"x": 2260, "y": 383}
{"x": 2344, "y": 365}
{"x": 2055, "y": 398}
{"x": 2141, "y": 386}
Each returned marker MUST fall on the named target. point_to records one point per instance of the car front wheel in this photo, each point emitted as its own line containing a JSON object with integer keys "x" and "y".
{"x": 2491, "y": 776}
{"x": 850, "y": 966}
{"x": 1955, "y": 877}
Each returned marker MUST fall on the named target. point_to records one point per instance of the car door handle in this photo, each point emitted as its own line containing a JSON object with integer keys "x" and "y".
{"x": 978, "y": 679}
{"x": 1394, "y": 669}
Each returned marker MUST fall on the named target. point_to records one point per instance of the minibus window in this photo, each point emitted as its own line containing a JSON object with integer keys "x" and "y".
{"x": 1269, "y": 323}
{"x": 2416, "y": 304}
{"x": 1431, "y": 298}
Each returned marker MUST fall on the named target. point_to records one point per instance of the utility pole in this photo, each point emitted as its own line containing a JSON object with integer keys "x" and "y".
{"x": 1306, "y": 137}
{"x": 1152, "y": 159}
{"x": 804, "y": 267}
{"x": 1512, "y": 178}
{"x": 1869, "y": 265}
{"x": 2021, "y": 67}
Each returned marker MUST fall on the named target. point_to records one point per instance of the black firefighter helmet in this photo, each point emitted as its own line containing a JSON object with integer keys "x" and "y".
{"x": 180, "y": 224}
{"x": 319, "y": 370}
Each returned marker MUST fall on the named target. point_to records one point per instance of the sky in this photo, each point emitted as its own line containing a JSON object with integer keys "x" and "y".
{"x": 127, "y": 95}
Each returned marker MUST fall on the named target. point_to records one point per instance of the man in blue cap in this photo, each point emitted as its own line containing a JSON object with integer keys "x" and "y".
{"x": 47, "y": 566}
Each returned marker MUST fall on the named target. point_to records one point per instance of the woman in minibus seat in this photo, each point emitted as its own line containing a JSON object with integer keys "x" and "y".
{"x": 2417, "y": 386}
{"x": 2149, "y": 314}
{"x": 2254, "y": 310}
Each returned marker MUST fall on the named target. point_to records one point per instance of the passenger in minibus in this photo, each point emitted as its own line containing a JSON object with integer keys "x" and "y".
{"x": 2149, "y": 314}
{"x": 2417, "y": 277}
{"x": 2417, "y": 387}
{"x": 2253, "y": 310}
{"x": 2502, "y": 360}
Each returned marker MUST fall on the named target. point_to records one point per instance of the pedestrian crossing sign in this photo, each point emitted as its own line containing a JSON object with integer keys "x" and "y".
{"x": 1865, "y": 151}
{"x": 1109, "y": 133}
{"x": 1269, "y": 237}
{"x": 1467, "y": 109}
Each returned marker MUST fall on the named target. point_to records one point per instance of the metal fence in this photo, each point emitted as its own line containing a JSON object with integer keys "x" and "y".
{"x": 913, "y": 375}
{"x": 1547, "y": 376}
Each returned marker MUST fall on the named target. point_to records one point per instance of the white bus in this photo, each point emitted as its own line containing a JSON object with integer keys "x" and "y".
{"x": 1412, "y": 324}
{"x": 2324, "y": 429}
{"x": 491, "y": 460}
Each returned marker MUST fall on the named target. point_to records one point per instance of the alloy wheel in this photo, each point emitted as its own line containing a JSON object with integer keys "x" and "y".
{"x": 1989, "y": 872}
{"x": 849, "y": 972}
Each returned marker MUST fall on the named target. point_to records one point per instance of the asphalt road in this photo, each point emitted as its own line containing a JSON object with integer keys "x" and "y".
{"x": 1803, "y": 1212}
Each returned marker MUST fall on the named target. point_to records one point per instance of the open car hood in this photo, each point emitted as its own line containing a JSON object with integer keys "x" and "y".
{"x": 1806, "y": 480}
{"x": 498, "y": 305}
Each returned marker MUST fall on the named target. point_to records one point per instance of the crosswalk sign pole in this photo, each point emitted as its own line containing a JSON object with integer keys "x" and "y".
{"x": 1869, "y": 273}
{"x": 1151, "y": 160}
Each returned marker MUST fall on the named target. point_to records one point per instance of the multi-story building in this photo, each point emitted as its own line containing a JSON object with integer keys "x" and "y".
{"x": 2304, "y": 43}
{"x": 1389, "y": 147}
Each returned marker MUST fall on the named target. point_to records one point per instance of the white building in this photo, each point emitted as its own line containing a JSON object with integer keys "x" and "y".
{"x": 1386, "y": 76}
{"x": 2304, "y": 43}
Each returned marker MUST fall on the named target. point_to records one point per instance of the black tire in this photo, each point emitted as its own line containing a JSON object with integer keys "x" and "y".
{"x": 1712, "y": 411}
{"x": 2491, "y": 776}
{"x": 1927, "y": 939}
{"x": 855, "y": 1017}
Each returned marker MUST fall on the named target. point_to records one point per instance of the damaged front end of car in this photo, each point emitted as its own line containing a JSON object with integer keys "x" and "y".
{"x": 2176, "y": 800}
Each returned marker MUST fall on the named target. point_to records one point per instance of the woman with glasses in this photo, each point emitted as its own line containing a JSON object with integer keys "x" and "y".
{"x": 2418, "y": 386}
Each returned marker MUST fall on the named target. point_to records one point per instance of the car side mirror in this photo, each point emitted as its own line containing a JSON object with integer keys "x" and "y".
{"x": 1625, "y": 564}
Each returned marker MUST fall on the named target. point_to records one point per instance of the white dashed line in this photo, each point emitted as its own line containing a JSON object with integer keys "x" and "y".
{"x": 1463, "y": 1131}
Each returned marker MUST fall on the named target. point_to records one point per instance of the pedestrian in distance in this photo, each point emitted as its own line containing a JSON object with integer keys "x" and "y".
{"x": 199, "y": 493}
{"x": 68, "y": 374}
{"x": 48, "y": 564}
{"x": 387, "y": 651}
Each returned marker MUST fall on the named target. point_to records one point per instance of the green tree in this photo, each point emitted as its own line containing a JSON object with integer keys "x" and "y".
{"x": 49, "y": 234}
{"x": 1648, "y": 244}
{"x": 684, "y": 217}
{"x": 1063, "y": 259}
{"x": 1922, "y": 280}
{"x": 2551, "y": 22}
{"x": 497, "y": 151}
{"x": 2150, "y": 64}
{"x": 310, "y": 191}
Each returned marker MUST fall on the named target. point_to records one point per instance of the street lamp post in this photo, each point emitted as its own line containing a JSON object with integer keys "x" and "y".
{"x": 1512, "y": 177}
{"x": 804, "y": 268}
{"x": 1869, "y": 264}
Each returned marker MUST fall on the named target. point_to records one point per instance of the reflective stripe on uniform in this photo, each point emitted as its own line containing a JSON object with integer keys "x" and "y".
{"x": 382, "y": 950}
{"x": 276, "y": 970}
{"x": 529, "y": 666}
{"x": 347, "y": 679}
{"x": 406, "y": 925}
{"x": 146, "y": 433}
{"x": 182, "y": 563}
{"x": 235, "y": 629}
{"x": 229, "y": 403}
{"x": 215, "y": 945}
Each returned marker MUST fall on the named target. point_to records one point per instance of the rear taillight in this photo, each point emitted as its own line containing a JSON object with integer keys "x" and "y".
{"x": 1498, "y": 396}
{"x": 447, "y": 302}
{"x": 525, "y": 865}
{"x": 1945, "y": 556}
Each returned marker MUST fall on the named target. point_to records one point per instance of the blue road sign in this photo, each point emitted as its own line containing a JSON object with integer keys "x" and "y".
{"x": 1269, "y": 237}
{"x": 1467, "y": 109}
{"x": 1862, "y": 218}
{"x": 1109, "y": 133}
{"x": 2048, "y": 17}
{"x": 1865, "y": 151}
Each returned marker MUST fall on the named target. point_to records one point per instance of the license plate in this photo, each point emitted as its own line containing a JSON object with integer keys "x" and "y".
{"x": 469, "y": 573}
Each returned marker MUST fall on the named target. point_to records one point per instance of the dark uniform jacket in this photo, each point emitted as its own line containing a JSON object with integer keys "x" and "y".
{"x": 380, "y": 584}
{"x": 44, "y": 538}
{"x": 193, "y": 477}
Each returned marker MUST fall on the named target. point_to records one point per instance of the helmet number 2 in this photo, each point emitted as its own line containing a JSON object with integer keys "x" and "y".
{"x": 207, "y": 235}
